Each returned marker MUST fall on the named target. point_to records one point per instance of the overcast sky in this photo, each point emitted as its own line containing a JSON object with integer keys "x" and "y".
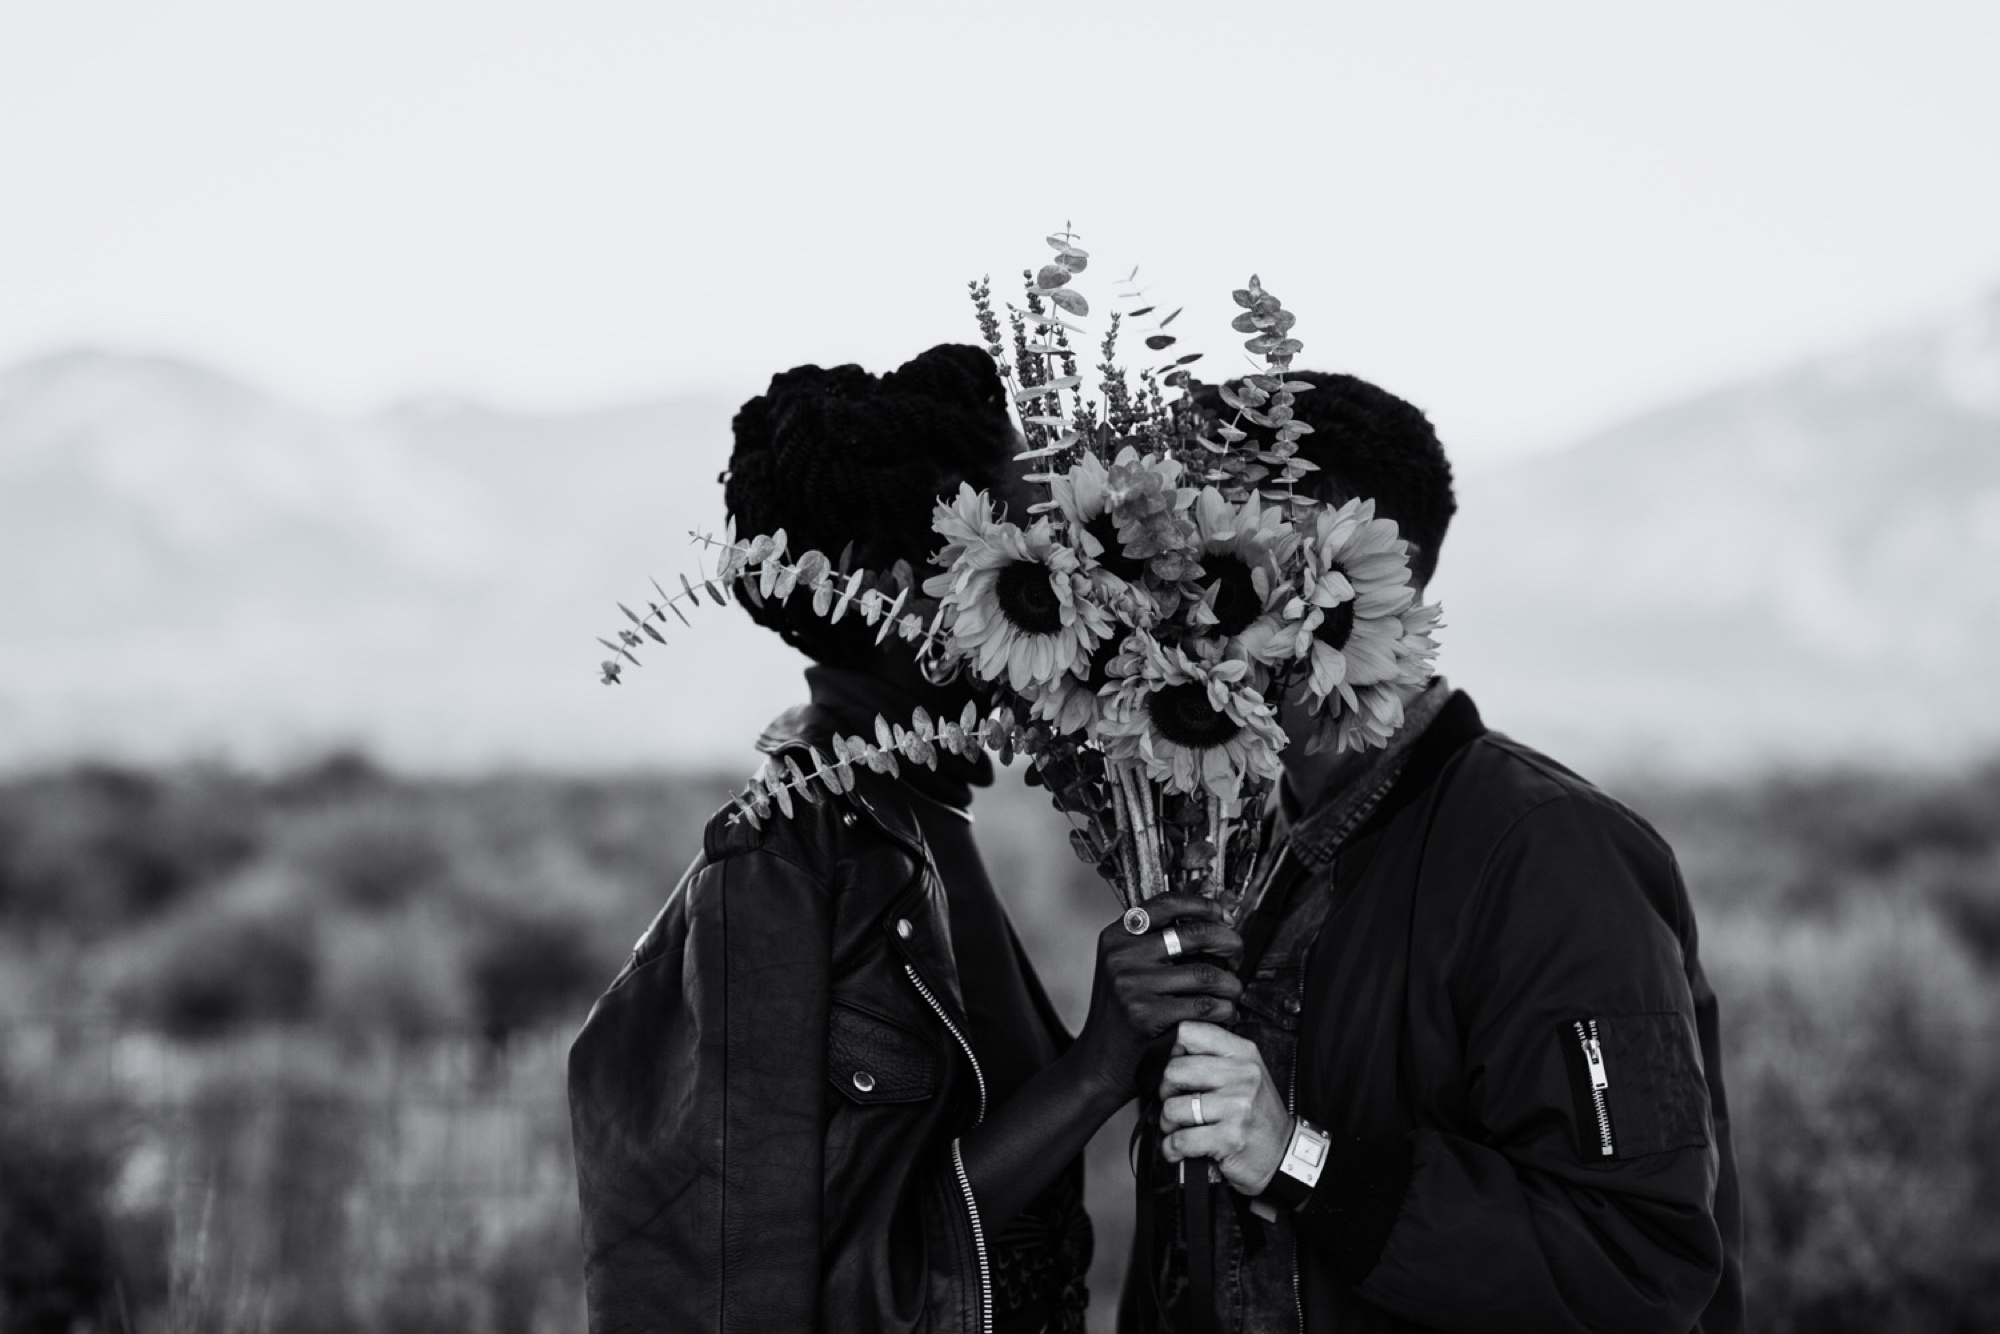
{"x": 1529, "y": 218}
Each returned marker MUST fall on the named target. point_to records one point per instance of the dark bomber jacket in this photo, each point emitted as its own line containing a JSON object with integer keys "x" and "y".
{"x": 1500, "y": 1016}
{"x": 767, "y": 1101}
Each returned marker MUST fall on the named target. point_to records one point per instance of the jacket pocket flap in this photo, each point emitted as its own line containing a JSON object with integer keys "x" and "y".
{"x": 872, "y": 1060}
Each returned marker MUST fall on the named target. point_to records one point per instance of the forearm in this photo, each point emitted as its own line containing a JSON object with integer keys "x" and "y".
{"x": 1023, "y": 1144}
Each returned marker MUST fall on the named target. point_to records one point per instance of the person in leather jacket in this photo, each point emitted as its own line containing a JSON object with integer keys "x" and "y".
{"x": 1477, "y": 1079}
{"x": 828, "y": 1091}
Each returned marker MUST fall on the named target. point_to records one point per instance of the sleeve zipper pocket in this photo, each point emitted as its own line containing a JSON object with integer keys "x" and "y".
{"x": 1600, "y": 1084}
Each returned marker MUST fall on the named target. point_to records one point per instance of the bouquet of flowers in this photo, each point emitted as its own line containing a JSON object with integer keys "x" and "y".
{"x": 1136, "y": 630}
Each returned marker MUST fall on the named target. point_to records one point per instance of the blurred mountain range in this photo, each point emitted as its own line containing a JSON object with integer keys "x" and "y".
{"x": 1800, "y": 569}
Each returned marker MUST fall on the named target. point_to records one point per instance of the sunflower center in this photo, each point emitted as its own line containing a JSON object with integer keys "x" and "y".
{"x": 1184, "y": 716}
{"x": 1114, "y": 559}
{"x": 1236, "y": 602}
{"x": 1337, "y": 627}
{"x": 1028, "y": 599}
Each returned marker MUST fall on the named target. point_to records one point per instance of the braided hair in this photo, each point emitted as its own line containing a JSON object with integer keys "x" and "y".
{"x": 839, "y": 457}
{"x": 1370, "y": 443}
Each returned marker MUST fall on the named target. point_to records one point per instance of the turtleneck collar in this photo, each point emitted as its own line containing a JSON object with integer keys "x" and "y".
{"x": 854, "y": 699}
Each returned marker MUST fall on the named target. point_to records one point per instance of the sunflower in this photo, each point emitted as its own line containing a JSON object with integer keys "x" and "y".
{"x": 1195, "y": 726}
{"x": 1377, "y": 711}
{"x": 1243, "y": 591}
{"x": 1085, "y": 495}
{"x": 1073, "y": 701}
{"x": 1347, "y": 617}
{"x": 1016, "y": 601}
{"x": 1374, "y": 716}
{"x": 1369, "y": 714}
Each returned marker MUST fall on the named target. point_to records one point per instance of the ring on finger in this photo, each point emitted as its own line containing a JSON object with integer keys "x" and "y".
{"x": 1195, "y": 1111}
{"x": 1138, "y": 921}
{"x": 1172, "y": 937}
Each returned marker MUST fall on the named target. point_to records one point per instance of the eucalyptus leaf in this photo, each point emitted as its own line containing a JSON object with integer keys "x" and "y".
{"x": 1073, "y": 302}
{"x": 1159, "y": 342}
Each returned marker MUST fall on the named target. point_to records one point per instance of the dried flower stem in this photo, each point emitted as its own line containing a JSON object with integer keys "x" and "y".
{"x": 1145, "y": 831}
{"x": 1128, "y": 870}
{"x": 1218, "y": 827}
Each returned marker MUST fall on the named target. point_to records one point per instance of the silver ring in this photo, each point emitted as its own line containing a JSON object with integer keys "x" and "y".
{"x": 1197, "y": 1111}
{"x": 1172, "y": 936}
{"x": 1138, "y": 921}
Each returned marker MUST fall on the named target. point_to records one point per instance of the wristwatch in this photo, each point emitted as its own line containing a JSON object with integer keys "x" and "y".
{"x": 1298, "y": 1171}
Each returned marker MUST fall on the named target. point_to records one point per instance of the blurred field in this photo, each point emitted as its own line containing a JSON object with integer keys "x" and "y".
{"x": 285, "y": 1053}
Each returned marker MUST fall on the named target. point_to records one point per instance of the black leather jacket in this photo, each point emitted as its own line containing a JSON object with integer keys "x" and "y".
{"x": 766, "y": 1102}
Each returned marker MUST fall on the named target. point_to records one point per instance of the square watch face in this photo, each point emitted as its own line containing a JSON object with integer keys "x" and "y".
{"x": 1309, "y": 1151}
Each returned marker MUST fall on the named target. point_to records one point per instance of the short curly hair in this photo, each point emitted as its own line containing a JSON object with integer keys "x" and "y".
{"x": 839, "y": 456}
{"x": 1367, "y": 442}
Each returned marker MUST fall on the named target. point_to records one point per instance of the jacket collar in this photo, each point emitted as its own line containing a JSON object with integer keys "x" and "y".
{"x": 1315, "y": 835}
{"x": 1456, "y": 726}
{"x": 916, "y": 920}
{"x": 811, "y": 727}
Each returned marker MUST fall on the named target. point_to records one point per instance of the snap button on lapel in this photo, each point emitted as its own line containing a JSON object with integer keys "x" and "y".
{"x": 1291, "y": 1004}
{"x": 864, "y": 1081}
{"x": 903, "y": 928}
{"x": 847, "y": 818}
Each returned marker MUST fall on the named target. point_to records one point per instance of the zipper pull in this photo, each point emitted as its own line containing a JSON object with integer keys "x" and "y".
{"x": 1593, "y": 1056}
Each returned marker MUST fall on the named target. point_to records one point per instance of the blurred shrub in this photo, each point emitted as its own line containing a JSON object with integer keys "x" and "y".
{"x": 341, "y": 775}
{"x": 95, "y": 847}
{"x": 529, "y": 967}
{"x": 68, "y": 1261}
{"x": 56, "y": 1270}
{"x": 401, "y": 976}
{"x": 370, "y": 853}
{"x": 219, "y": 966}
{"x": 1863, "y": 1077}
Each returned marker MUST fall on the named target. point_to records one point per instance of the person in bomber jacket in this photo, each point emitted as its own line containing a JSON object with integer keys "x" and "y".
{"x": 828, "y": 1091}
{"x": 1477, "y": 1082}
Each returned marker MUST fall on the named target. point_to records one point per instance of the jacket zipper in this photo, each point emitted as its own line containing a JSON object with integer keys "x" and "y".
{"x": 978, "y": 1241}
{"x": 957, "y": 1159}
{"x": 1600, "y": 1083}
{"x": 1291, "y": 1105}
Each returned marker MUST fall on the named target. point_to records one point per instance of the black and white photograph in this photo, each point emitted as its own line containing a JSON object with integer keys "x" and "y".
{"x": 1036, "y": 669}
